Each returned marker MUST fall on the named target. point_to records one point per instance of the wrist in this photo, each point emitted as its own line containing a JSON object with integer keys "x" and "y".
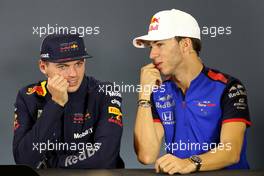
{"x": 196, "y": 161}
{"x": 144, "y": 103}
{"x": 146, "y": 91}
{"x": 61, "y": 103}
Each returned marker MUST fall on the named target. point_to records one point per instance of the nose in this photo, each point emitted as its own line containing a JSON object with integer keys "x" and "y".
{"x": 154, "y": 53}
{"x": 72, "y": 72}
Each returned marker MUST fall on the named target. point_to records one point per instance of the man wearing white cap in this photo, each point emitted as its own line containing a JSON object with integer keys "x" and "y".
{"x": 202, "y": 112}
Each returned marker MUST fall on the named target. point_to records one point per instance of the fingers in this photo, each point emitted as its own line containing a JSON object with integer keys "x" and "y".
{"x": 152, "y": 71}
{"x": 166, "y": 164}
{"x": 58, "y": 82}
{"x": 55, "y": 79}
{"x": 188, "y": 169}
{"x": 150, "y": 68}
{"x": 58, "y": 88}
{"x": 151, "y": 65}
{"x": 171, "y": 164}
{"x": 173, "y": 171}
{"x": 149, "y": 75}
{"x": 63, "y": 85}
{"x": 152, "y": 75}
{"x": 185, "y": 170}
{"x": 161, "y": 163}
{"x": 149, "y": 78}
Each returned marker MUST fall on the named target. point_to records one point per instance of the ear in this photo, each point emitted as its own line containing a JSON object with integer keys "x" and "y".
{"x": 186, "y": 45}
{"x": 43, "y": 67}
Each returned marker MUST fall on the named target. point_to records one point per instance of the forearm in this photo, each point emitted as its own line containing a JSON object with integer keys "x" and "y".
{"x": 45, "y": 125}
{"x": 219, "y": 158}
{"x": 147, "y": 135}
{"x": 228, "y": 150}
{"x": 26, "y": 143}
{"x": 147, "y": 142}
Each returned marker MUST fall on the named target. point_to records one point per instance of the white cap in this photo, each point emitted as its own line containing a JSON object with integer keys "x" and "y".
{"x": 168, "y": 24}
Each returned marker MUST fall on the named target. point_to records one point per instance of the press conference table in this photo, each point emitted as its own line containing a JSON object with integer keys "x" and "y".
{"x": 139, "y": 172}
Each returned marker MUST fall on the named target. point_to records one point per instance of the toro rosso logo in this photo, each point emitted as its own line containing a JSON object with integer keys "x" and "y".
{"x": 205, "y": 104}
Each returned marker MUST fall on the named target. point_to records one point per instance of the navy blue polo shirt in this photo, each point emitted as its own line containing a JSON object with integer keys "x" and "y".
{"x": 192, "y": 122}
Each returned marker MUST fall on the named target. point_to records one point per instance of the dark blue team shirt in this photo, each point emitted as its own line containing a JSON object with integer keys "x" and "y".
{"x": 192, "y": 122}
{"x": 91, "y": 117}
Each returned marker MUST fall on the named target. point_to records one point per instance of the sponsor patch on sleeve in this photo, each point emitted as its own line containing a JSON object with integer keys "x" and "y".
{"x": 114, "y": 110}
{"x": 40, "y": 90}
{"x": 16, "y": 125}
{"x": 236, "y": 90}
{"x": 116, "y": 119}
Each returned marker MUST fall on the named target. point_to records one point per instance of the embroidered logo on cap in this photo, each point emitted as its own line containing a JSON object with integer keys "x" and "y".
{"x": 44, "y": 55}
{"x": 66, "y": 47}
{"x": 154, "y": 24}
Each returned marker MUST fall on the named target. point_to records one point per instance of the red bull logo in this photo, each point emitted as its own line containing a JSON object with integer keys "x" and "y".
{"x": 40, "y": 90}
{"x": 154, "y": 24}
{"x": 154, "y": 20}
{"x": 72, "y": 46}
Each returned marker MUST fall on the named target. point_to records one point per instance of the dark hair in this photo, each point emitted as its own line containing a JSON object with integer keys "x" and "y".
{"x": 196, "y": 43}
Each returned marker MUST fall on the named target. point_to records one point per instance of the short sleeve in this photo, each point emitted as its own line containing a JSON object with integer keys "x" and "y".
{"x": 154, "y": 111}
{"x": 234, "y": 104}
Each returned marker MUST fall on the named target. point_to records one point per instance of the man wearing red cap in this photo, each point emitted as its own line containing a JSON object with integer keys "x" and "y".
{"x": 201, "y": 112}
{"x": 68, "y": 120}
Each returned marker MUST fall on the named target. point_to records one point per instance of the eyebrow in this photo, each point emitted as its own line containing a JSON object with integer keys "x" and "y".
{"x": 154, "y": 42}
{"x": 81, "y": 60}
{"x": 64, "y": 64}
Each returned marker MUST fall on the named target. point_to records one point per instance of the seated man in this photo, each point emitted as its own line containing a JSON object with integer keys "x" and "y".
{"x": 69, "y": 120}
{"x": 202, "y": 112}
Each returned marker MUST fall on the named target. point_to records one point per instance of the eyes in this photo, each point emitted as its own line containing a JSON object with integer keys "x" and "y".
{"x": 160, "y": 44}
{"x": 64, "y": 67}
{"x": 79, "y": 64}
{"x": 61, "y": 67}
{"x": 156, "y": 44}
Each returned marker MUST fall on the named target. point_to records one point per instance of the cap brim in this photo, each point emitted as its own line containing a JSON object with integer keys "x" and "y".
{"x": 68, "y": 59}
{"x": 140, "y": 42}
